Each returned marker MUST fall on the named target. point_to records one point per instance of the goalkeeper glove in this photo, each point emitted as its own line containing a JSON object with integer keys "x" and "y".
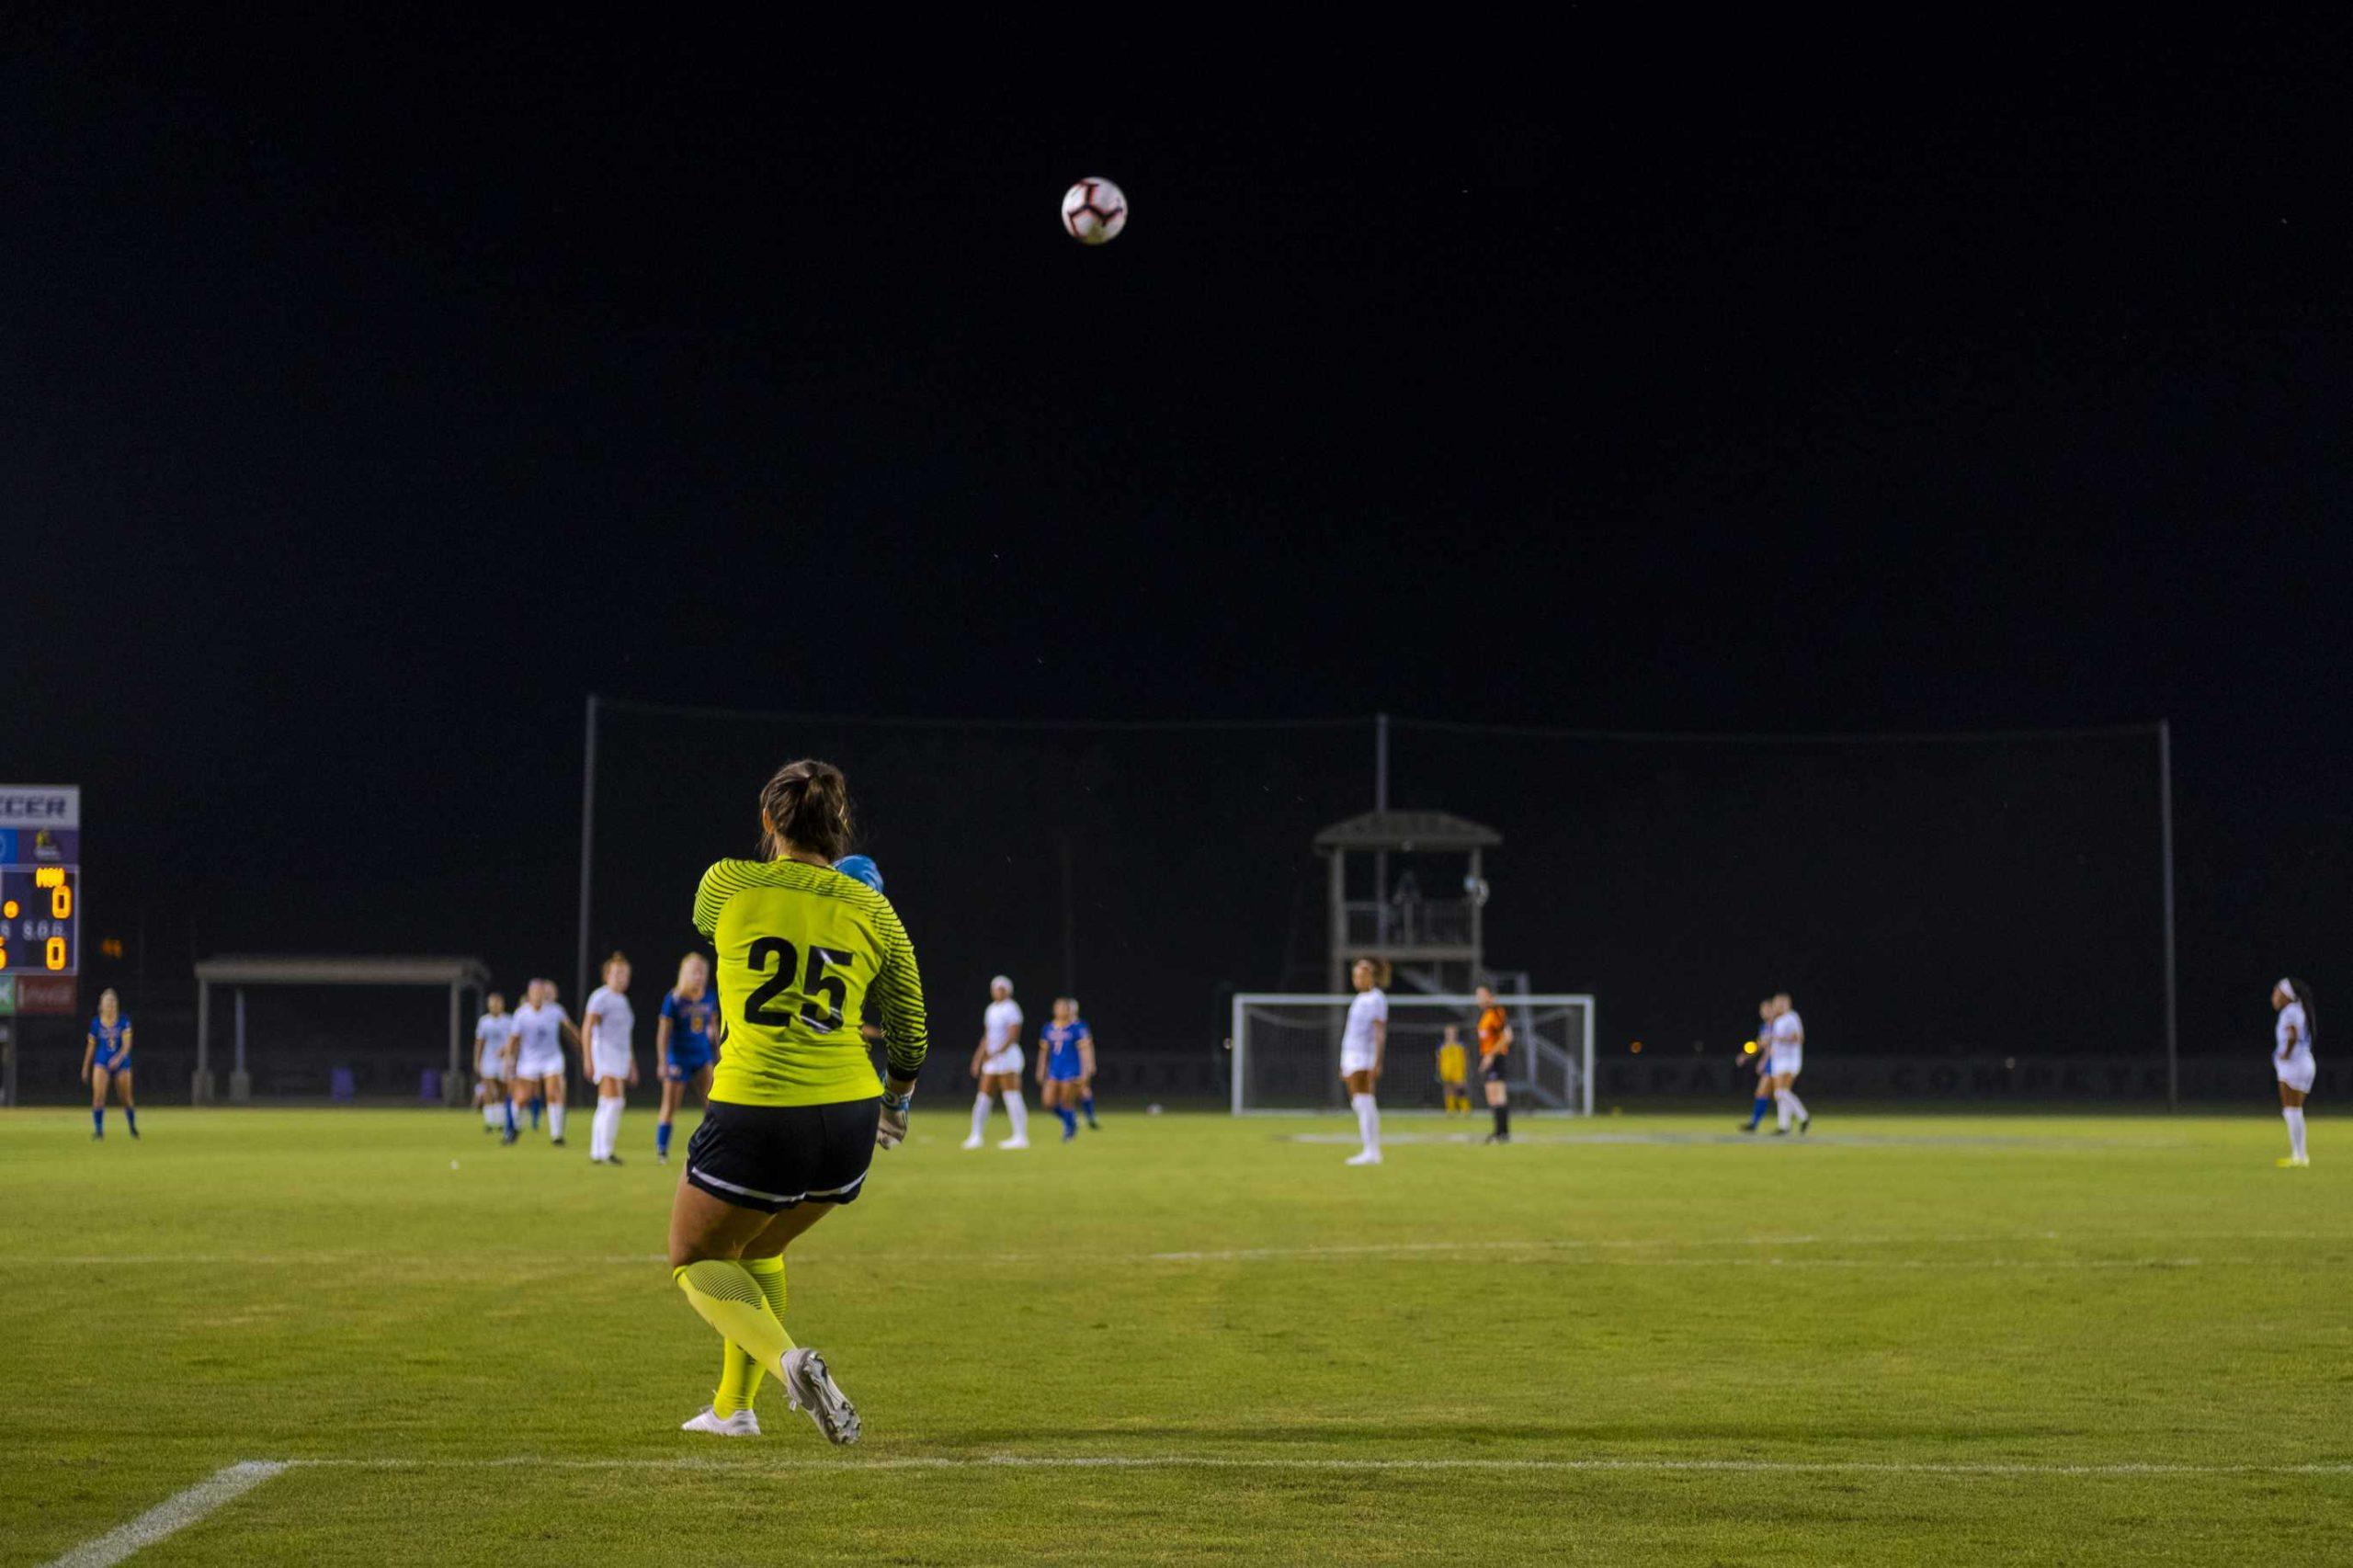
{"x": 893, "y": 1124}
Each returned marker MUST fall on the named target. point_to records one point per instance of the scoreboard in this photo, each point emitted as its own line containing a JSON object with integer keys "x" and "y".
{"x": 40, "y": 894}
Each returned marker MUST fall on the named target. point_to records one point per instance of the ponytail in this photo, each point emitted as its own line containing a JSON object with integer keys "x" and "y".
{"x": 806, "y": 806}
{"x": 2311, "y": 1011}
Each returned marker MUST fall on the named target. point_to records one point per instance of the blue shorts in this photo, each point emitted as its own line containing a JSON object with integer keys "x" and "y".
{"x": 115, "y": 1064}
{"x": 678, "y": 1067}
{"x": 1063, "y": 1070}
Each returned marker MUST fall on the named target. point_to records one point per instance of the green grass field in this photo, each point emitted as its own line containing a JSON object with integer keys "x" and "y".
{"x": 1190, "y": 1339}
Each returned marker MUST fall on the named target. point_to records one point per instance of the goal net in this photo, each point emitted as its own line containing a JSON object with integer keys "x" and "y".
{"x": 1286, "y": 1050}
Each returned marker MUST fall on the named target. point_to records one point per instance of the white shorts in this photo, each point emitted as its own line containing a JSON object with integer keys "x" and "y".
{"x": 609, "y": 1061}
{"x": 1008, "y": 1060}
{"x": 2297, "y": 1071}
{"x": 1352, "y": 1062}
{"x": 537, "y": 1064}
{"x": 491, "y": 1067}
{"x": 1790, "y": 1062}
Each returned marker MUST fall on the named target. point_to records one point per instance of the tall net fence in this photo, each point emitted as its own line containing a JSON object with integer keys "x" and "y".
{"x": 1918, "y": 895}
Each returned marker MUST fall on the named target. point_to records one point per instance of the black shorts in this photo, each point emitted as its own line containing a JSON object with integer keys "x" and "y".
{"x": 1495, "y": 1068}
{"x": 771, "y": 1157}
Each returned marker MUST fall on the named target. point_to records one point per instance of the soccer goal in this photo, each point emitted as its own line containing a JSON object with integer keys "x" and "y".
{"x": 1287, "y": 1049}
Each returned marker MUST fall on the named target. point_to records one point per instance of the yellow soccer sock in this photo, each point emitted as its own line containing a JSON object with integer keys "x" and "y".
{"x": 728, "y": 1298}
{"x": 768, "y": 1273}
{"x": 739, "y": 1375}
{"x": 739, "y": 1380}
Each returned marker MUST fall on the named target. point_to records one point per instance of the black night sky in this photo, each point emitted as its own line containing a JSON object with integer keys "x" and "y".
{"x": 369, "y": 394}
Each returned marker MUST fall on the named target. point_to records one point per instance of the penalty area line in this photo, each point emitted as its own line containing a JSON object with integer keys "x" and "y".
{"x": 172, "y": 1515}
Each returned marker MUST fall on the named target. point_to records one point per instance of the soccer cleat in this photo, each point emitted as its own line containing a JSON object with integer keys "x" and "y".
{"x": 1804, "y": 1122}
{"x": 1368, "y": 1158}
{"x": 1751, "y": 1128}
{"x": 973, "y": 1141}
{"x": 504, "y": 1139}
{"x": 1780, "y": 1132}
{"x": 743, "y": 1424}
{"x": 1069, "y": 1133}
{"x": 1014, "y": 1143}
{"x": 555, "y": 1143}
{"x": 813, "y": 1389}
{"x": 612, "y": 1159}
{"x": 2293, "y": 1161}
{"x": 661, "y": 1159}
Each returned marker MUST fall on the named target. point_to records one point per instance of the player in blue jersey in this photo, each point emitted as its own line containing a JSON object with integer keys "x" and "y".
{"x": 107, "y": 1060}
{"x": 1760, "y": 1057}
{"x": 686, "y": 1043}
{"x": 1066, "y": 1066}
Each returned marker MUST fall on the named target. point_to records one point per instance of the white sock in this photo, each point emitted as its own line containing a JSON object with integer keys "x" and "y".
{"x": 2295, "y": 1115}
{"x": 1796, "y": 1106}
{"x": 979, "y": 1114}
{"x": 1368, "y": 1121}
{"x": 606, "y": 1136}
{"x": 1019, "y": 1112}
{"x": 490, "y": 1115}
{"x": 555, "y": 1119}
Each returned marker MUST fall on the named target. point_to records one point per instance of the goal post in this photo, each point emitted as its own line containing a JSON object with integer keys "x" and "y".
{"x": 1287, "y": 1049}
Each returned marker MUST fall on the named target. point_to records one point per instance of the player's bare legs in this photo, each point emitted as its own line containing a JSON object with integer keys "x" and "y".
{"x": 1007, "y": 1087}
{"x": 1786, "y": 1103}
{"x": 552, "y": 1087}
{"x": 2291, "y": 1110}
{"x": 732, "y": 1245}
{"x": 1361, "y": 1086}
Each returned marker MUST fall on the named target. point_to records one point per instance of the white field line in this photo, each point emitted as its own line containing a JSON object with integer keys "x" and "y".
{"x": 2310, "y": 1249}
{"x": 1942, "y": 1141}
{"x": 175, "y": 1512}
{"x": 686, "y": 1463}
{"x": 184, "y": 1508}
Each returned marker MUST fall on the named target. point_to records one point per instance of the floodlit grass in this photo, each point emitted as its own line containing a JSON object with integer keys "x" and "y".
{"x": 1633, "y": 1340}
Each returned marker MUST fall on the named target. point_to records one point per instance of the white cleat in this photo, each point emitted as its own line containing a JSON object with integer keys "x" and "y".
{"x": 1014, "y": 1143}
{"x": 814, "y": 1390}
{"x": 743, "y": 1424}
{"x": 973, "y": 1141}
{"x": 1369, "y": 1157}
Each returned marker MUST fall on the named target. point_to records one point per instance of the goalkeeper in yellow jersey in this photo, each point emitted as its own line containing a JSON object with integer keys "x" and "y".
{"x": 795, "y": 1109}
{"x": 1454, "y": 1071}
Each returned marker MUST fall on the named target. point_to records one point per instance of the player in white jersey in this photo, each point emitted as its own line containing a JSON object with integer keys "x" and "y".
{"x": 1363, "y": 1045}
{"x": 538, "y": 1051}
{"x": 996, "y": 1063}
{"x": 1789, "y": 1061}
{"x": 2292, "y": 1058}
{"x": 492, "y": 1031}
{"x": 606, "y": 1021}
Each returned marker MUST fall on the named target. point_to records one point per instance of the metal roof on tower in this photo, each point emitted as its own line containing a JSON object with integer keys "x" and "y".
{"x": 1407, "y": 831}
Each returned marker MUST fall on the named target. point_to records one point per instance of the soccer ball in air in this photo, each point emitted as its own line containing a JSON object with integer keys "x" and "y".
{"x": 1093, "y": 211}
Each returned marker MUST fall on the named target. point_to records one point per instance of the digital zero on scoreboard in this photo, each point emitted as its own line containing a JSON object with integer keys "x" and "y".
{"x": 40, "y": 880}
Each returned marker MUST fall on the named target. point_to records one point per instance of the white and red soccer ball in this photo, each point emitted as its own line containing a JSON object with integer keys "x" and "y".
{"x": 1093, "y": 211}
